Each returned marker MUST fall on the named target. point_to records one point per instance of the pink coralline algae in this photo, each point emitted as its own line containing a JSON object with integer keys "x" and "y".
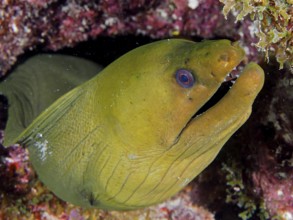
{"x": 180, "y": 207}
{"x": 274, "y": 154}
{"x": 53, "y": 24}
{"x": 15, "y": 171}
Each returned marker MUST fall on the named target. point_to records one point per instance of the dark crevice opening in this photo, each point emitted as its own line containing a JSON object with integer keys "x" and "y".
{"x": 221, "y": 92}
{"x": 3, "y": 111}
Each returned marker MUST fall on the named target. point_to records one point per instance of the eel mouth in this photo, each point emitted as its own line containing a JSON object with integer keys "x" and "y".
{"x": 219, "y": 94}
{"x": 238, "y": 99}
{"x": 225, "y": 86}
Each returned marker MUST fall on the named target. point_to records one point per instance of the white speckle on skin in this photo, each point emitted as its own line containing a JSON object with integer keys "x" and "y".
{"x": 131, "y": 156}
{"x": 184, "y": 181}
{"x": 42, "y": 147}
{"x": 39, "y": 135}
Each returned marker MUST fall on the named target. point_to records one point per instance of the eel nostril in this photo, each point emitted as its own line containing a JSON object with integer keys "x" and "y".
{"x": 224, "y": 57}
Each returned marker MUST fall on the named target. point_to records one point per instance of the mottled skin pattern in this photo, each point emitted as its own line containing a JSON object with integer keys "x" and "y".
{"x": 127, "y": 138}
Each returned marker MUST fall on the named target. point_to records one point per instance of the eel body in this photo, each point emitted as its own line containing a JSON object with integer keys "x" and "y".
{"x": 129, "y": 137}
{"x": 36, "y": 84}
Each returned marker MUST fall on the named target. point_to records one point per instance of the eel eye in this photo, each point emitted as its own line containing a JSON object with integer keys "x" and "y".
{"x": 184, "y": 78}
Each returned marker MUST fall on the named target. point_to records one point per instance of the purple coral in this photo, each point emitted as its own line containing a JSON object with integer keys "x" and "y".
{"x": 180, "y": 207}
{"x": 15, "y": 170}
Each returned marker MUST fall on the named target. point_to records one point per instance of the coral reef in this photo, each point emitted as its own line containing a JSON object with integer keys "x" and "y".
{"x": 274, "y": 154}
{"x": 51, "y": 24}
{"x": 180, "y": 207}
{"x": 257, "y": 174}
{"x": 274, "y": 23}
{"x": 15, "y": 172}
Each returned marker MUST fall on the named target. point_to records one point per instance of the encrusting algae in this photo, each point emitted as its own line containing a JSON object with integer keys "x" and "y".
{"x": 273, "y": 20}
{"x": 130, "y": 136}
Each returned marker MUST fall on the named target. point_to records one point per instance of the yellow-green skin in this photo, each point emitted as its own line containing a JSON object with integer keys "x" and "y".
{"x": 127, "y": 139}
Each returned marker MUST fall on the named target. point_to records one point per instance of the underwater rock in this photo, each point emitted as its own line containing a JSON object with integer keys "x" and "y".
{"x": 260, "y": 155}
{"x": 274, "y": 23}
{"x": 180, "y": 207}
{"x": 15, "y": 170}
{"x": 51, "y": 24}
{"x": 272, "y": 146}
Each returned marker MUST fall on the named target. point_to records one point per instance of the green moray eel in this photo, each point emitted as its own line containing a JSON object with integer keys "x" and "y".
{"x": 37, "y": 83}
{"x": 130, "y": 137}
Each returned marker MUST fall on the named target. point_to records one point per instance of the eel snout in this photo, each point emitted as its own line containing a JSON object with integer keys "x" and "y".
{"x": 236, "y": 104}
{"x": 241, "y": 96}
{"x": 220, "y": 121}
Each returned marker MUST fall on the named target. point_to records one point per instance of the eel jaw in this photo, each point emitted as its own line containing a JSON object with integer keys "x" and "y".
{"x": 216, "y": 125}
